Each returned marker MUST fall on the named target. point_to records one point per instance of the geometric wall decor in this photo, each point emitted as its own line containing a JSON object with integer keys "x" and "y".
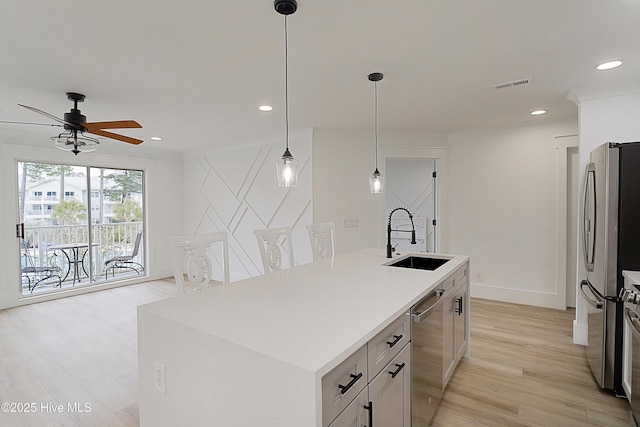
{"x": 236, "y": 190}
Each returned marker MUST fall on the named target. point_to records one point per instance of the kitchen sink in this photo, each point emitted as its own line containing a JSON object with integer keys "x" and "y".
{"x": 420, "y": 262}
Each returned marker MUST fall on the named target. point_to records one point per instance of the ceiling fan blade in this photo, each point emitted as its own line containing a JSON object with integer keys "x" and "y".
{"x": 112, "y": 135}
{"x": 44, "y": 113}
{"x": 30, "y": 123}
{"x": 120, "y": 124}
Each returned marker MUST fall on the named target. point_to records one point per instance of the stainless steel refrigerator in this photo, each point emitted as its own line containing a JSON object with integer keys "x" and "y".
{"x": 611, "y": 243}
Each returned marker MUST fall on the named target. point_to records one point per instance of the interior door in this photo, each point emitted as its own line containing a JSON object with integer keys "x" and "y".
{"x": 573, "y": 227}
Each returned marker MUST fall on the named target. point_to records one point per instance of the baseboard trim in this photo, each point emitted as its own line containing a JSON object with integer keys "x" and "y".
{"x": 518, "y": 296}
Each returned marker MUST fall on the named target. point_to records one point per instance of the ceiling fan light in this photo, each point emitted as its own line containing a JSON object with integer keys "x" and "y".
{"x": 75, "y": 144}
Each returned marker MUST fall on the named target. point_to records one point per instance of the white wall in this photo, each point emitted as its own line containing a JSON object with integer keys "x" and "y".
{"x": 343, "y": 160}
{"x": 164, "y": 217}
{"x": 499, "y": 201}
{"x": 503, "y": 212}
{"x": 606, "y": 114}
{"x": 235, "y": 190}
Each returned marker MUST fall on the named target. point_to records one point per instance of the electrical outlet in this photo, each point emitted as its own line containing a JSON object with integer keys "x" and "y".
{"x": 351, "y": 222}
{"x": 479, "y": 276}
{"x": 159, "y": 378}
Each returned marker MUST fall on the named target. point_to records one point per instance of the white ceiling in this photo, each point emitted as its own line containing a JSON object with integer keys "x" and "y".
{"x": 195, "y": 72}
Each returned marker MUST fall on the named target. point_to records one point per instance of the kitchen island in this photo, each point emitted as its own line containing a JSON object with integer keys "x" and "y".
{"x": 255, "y": 352}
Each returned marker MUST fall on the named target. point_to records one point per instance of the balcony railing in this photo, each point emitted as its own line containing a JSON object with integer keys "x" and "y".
{"x": 109, "y": 240}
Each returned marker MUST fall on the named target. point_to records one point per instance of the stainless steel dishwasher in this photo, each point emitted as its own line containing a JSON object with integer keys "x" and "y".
{"x": 427, "y": 330}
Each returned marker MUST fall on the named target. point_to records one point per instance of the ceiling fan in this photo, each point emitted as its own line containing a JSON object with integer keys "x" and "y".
{"x": 75, "y": 125}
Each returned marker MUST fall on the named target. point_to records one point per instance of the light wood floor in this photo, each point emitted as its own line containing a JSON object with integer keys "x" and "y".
{"x": 524, "y": 369}
{"x": 81, "y": 349}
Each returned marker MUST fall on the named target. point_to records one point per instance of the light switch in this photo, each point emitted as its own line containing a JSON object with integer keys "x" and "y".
{"x": 351, "y": 222}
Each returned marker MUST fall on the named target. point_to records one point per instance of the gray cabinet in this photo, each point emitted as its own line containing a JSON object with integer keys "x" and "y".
{"x": 390, "y": 392}
{"x": 455, "y": 324}
{"x": 386, "y": 401}
{"x": 373, "y": 384}
{"x": 356, "y": 413}
{"x": 343, "y": 384}
{"x": 387, "y": 344}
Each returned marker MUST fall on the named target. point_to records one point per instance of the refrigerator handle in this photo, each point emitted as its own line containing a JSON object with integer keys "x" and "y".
{"x": 595, "y": 302}
{"x": 589, "y": 223}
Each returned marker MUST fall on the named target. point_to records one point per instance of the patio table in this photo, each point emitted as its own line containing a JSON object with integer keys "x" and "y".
{"x": 72, "y": 252}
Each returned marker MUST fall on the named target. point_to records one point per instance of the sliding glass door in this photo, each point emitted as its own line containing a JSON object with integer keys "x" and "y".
{"x": 78, "y": 226}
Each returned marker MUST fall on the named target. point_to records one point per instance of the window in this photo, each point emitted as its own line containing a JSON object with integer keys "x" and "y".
{"x": 90, "y": 216}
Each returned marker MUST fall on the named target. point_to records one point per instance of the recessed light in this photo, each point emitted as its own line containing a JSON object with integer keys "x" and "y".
{"x": 609, "y": 65}
{"x": 538, "y": 112}
{"x": 156, "y": 138}
{"x": 265, "y": 108}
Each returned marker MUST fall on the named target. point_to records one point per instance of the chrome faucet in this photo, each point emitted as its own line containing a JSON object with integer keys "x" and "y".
{"x": 389, "y": 230}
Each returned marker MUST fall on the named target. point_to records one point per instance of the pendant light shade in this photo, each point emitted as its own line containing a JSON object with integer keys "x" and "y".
{"x": 287, "y": 166}
{"x": 376, "y": 180}
{"x": 287, "y": 169}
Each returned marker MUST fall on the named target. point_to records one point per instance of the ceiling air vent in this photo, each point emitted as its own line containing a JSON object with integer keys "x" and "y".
{"x": 513, "y": 83}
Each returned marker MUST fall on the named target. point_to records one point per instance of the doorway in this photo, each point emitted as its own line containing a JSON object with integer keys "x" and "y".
{"x": 573, "y": 164}
{"x": 74, "y": 222}
{"x": 412, "y": 183}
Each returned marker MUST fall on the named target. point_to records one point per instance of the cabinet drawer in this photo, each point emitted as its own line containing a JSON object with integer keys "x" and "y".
{"x": 384, "y": 346}
{"x": 342, "y": 384}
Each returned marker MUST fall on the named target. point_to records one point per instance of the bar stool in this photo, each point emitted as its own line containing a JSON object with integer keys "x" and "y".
{"x": 192, "y": 255}
{"x": 321, "y": 237}
{"x": 272, "y": 242}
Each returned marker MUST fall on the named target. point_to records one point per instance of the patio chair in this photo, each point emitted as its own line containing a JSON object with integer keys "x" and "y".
{"x": 125, "y": 261}
{"x": 272, "y": 242}
{"x": 193, "y": 256}
{"x": 37, "y": 274}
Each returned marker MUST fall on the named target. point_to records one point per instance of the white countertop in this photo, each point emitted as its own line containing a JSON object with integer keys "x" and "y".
{"x": 311, "y": 316}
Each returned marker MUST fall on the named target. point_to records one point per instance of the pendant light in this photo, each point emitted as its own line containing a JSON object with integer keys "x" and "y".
{"x": 376, "y": 181}
{"x": 287, "y": 165}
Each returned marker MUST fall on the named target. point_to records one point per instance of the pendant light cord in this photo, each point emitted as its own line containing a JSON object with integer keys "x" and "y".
{"x": 375, "y": 85}
{"x": 286, "y": 84}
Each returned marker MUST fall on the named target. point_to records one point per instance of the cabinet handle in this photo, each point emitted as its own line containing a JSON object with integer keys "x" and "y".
{"x": 396, "y": 338}
{"x": 354, "y": 379}
{"x": 459, "y": 309}
{"x": 370, "y": 409}
{"x": 397, "y": 371}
